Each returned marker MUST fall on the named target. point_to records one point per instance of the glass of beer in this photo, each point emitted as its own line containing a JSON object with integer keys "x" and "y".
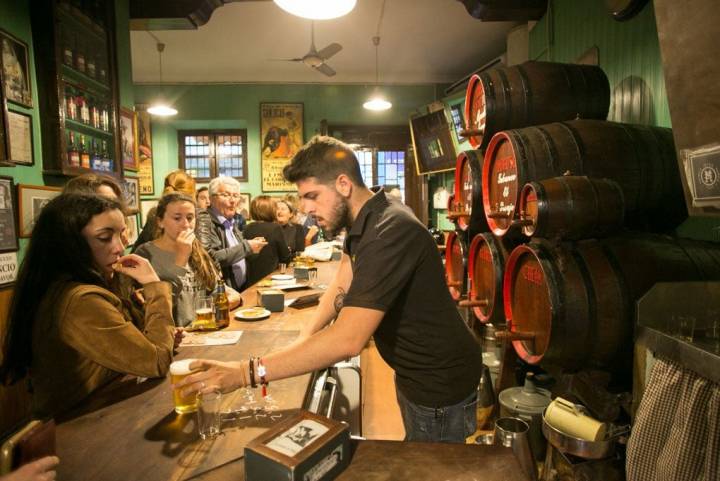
{"x": 204, "y": 314}
{"x": 178, "y": 371}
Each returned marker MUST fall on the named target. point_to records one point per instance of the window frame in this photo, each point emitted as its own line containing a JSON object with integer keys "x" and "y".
{"x": 214, "y": 134}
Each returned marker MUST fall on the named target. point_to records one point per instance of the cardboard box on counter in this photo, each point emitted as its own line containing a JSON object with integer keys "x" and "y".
{"x": 304, "y": 447}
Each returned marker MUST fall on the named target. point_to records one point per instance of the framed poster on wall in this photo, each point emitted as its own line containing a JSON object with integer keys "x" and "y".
{"x": 128, "y": 147}
{"x": 8, "y": 226}
{"x": 143, "y": 154}
{"x": 16, "y": 71}
{"x": 281, "y": 136}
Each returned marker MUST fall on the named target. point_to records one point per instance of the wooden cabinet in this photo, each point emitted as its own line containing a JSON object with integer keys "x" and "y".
{"x": 74, "y": 42}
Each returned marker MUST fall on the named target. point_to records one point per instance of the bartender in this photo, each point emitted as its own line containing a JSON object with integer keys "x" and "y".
{"x": 390, "y": 285}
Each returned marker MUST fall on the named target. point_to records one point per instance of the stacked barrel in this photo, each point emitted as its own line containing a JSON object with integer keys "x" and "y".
{"x": 556, "y": 253}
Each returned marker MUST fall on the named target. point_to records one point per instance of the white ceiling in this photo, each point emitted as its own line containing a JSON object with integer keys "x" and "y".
{"x": 422, "y": 41}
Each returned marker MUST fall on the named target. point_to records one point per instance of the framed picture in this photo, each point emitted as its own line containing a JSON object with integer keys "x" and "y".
{"x": 243, "y": 206}
{"x": 145, "y": 206}
{"x": 15, "y": 69}
{"x": 281, "y": 136}
{"x": 131, "y": 194}
{"x": 20, "y": 136}
{"x": 8, "y": 268}
{"x": 128, "y": 149}
{"x": 143, "y": 153}
{"x": 4, "y": 136}
{"x": 132, "y": 228}
{"x": 8, "y": 224}
{"x": 32, "y": 199}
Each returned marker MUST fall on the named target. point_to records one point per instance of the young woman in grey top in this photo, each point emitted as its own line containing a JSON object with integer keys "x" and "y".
{"x": 178, "y": 257}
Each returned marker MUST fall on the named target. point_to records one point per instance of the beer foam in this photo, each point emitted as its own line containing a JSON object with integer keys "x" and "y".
{"x": 181, "y": 368}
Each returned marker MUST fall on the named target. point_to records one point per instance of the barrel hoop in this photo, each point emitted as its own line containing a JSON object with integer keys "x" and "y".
{"x": 579, "y": 147}
{"x": 623, "y": 286}
{"x": 570, "y": 202}
{"x": 542, "y": 209}
{"x": 527, "y": 92}
{"x": 552, "y": 152}
{"x": 571, "y": 87}
{"x": 488, "y": 87}
{"x": 505, "y": 87}
{"x": 589, "y": 287}
{"x": 596, "y": 192}
{"x": 643, "y": 185}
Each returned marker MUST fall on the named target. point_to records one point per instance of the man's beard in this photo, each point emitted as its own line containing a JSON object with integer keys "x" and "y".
{"x": 341, "y": 217}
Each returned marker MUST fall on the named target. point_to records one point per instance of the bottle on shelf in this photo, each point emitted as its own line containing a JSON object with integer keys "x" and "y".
{"x": 72, "y": 151}
{"x": 84, "y": 154}
{"x": 90, "y": 65}
{"x": 84, "y": 109}
{"x": 79, "y": 57}
{"x": 222, "y": 305}
{"x": 95, "y": 115}
{"x": 68, "y": 49}
{"x": 107, "y": 155}
{"x": 104, "y": 118}
{"x": 96, "y": 160}
{"x": 70, "y": 104}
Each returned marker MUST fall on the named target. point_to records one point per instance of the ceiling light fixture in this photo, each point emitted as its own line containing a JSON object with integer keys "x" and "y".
{"x": 377, "y": 102}
{"x": 317, "y": 9}
{"x": 161, "y": 108}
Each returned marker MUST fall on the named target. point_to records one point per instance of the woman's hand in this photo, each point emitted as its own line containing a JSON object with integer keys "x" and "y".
{"x": 184, "y": 244}
{"x": 234, "y": 298}
{"x": 257, "y": 244}
{"x": 137, "y": 267}
{"x": 214, "y": 375}
{"x": 42, "y": 469}
{"x": 178, "y": 337}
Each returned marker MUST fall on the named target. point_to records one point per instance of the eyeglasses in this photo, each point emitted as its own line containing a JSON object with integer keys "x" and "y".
{"x": 227, "y": 195}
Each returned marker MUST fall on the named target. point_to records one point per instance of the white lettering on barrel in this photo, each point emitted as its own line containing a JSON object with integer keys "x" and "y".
{"x": 504, "y": 179}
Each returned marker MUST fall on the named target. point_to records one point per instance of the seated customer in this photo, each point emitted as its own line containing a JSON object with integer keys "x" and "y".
{"x": 219, "y": 234}
{"x": 293, "y": 233}
{"x": 262, "y": 212}
{"x": 99, "y": 184}
{"x": 175, "y": 181}
{"x": 179, "y": 259}
{"x": 74, "y": 323}
{"x": 308, "y": 222}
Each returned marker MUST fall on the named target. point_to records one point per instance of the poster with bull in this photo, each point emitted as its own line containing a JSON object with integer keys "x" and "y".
{"x": 281, "y": 136}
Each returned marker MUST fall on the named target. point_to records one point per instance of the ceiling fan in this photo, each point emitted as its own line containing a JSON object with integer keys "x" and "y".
{"x": 316, "y": 58}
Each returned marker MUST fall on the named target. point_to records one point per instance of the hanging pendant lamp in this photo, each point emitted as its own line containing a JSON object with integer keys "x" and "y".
{"x": 377, "y": 101}
{"x": 317, "y": 9}
{"x": 160, "y": 107}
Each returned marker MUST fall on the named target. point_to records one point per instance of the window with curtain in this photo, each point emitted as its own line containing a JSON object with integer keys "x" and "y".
{"x": 206, "y": 154}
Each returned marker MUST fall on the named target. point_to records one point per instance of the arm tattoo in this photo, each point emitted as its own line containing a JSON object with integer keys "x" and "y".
{"x": 339, "y": 299}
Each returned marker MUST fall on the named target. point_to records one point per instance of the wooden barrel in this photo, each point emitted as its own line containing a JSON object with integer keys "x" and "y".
{"x": 468, "y": 192}
{"x": 456, "y": 264}
{"x": 452, "y": 208}
{"x": 573, "y": 305}
{"x": 486, "y": 266}
{"x": 641, "y": 159}
{"x": 571, "y": 207}
{"x": 532, "y": 93}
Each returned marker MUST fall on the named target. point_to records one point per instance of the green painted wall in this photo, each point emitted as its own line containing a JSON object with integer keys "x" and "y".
{"x": 15, "y": 19}
{"x": 629, "y": 53}
{"x": 238, "y": 106}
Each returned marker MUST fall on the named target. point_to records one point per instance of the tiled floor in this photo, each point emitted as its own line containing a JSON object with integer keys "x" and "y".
{"x": 381, "y": 414}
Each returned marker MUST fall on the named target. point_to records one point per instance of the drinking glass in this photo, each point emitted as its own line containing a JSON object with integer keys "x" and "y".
{"x": 208, "y": 414}
{"x": 312, "y": 276}
{"x": 178, "y": 371}
{"x": 282, "y": 268}
{"x": 686, "y": 326}
{"x": 204, "y": 314}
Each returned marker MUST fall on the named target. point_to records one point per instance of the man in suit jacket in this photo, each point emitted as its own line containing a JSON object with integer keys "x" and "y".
{"x": 220, "y": 235}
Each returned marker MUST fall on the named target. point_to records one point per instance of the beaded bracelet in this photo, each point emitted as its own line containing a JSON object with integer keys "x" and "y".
{"x": 262, "y": 371}
{"x": 253, "y": 384}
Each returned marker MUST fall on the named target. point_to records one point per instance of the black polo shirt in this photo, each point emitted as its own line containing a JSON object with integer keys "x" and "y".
{"x": 397, "y": 269}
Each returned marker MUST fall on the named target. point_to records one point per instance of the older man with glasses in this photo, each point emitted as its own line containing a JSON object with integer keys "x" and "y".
{"x": 220, "y": 235}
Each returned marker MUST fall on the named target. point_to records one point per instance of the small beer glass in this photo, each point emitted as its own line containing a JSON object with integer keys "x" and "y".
{"x": 178, "y": 371}
{"x": 204, "y": 314}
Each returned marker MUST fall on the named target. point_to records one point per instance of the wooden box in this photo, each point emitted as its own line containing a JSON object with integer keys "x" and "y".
{"x": 304, "y": 447}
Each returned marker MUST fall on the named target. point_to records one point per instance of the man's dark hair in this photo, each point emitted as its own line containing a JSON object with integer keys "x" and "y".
{"x": 324, "y": 158}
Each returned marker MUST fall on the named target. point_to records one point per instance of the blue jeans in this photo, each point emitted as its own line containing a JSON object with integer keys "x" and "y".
{"x": 449, "y": 424}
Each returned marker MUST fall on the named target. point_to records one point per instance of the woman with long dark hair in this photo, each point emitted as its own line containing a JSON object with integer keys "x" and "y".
{"x": 75, "y": 322}
{"x": 263, "y": 213}
{"x": 179, "y": 258}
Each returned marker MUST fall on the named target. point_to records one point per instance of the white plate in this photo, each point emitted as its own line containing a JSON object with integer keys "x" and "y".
{"x": 282, "y": 277}
{"x": 252, "y": 313}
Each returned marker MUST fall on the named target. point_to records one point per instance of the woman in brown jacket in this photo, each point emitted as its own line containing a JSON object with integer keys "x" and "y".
{"x": 74, "y": 322}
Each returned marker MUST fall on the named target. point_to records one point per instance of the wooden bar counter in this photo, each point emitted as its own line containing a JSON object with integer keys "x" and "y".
{"x": 130, "y": 431}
